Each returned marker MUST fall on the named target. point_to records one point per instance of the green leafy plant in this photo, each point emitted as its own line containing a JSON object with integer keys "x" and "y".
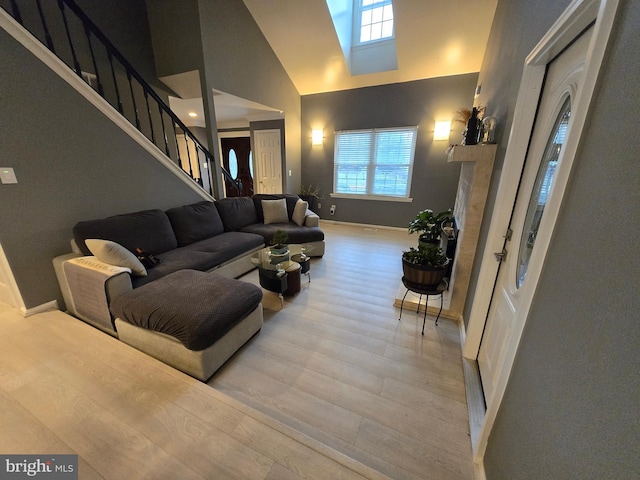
{"x": 279, "y": 239}
{"x": 429, "y": 225}
{"x": 427, "y": 254}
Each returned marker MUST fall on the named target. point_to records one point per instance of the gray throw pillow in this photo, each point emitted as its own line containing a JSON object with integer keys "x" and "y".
{"x": 300, "y": 212}
{"x": 275, "y": 211}
{"x": 115, "y": 254}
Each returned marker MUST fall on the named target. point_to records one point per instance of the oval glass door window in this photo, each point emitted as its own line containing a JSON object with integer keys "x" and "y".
{"x": 251, "y": 164}
{"x": 542, "y": 189}
{"x": 233, "y": 164}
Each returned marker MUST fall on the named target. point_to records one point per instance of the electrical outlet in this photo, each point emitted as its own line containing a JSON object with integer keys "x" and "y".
{"x": 319, "y": 205}
{"x": 332, "y": 211}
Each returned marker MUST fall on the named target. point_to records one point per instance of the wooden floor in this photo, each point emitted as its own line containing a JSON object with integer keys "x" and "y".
{"x": 336, "y": 364}
{"x": 66, "y": 388}
{"x": 333, "y": 387}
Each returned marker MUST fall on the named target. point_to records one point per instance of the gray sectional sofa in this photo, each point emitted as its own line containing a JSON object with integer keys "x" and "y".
{"x": 214, "y": 237}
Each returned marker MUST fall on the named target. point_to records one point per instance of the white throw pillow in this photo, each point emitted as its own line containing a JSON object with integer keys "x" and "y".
{"x": 275, "y": 211}
{"x": 115, "y": 254}
{"x": 300, "y": 212}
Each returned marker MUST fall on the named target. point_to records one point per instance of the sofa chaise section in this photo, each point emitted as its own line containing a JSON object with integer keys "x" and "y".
{"x": 191, "y": 320}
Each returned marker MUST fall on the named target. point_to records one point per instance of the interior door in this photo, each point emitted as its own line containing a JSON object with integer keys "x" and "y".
{"x": 268, "y": 152}
{"x": 516, "y": 279}
{"x": 236, "y": 158}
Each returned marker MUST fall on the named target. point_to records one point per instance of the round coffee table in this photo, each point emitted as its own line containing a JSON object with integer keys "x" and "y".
{"x": 280, "y": 272}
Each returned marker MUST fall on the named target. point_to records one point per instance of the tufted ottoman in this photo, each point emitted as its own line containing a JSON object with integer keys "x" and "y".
{"x": 191, "y": 320}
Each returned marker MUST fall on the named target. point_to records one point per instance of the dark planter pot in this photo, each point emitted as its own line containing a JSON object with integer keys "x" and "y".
{"x": 312, "y": 200}
{"x": 434, "y": 241}
{"x": 427, "y": 276}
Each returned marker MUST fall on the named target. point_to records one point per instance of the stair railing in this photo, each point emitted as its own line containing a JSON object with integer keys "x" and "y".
{"x": 69, "y": 33}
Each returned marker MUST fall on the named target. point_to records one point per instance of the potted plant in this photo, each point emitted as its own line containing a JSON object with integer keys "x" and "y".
{"x": 424, "y": 266}
{"x": 310, "y": 194}
{"x": 429, "y": 225}
{"x": 279, "y": 243}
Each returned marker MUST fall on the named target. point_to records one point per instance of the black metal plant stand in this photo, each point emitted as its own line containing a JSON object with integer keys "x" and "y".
{"x": 424, "y": 290}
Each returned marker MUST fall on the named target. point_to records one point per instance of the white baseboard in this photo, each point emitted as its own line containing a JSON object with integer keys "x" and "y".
{"x": 45, "y": 307}
{"x": 475, "y": 401}
{"x": 364, "y": 225}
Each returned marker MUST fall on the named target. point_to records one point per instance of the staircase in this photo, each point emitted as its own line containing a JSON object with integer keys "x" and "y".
{"x": 67, "y": 32}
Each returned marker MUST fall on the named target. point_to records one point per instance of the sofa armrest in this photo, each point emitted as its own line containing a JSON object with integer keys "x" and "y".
{"x": 311, "y": 219}
{"x": 90, "y": 285}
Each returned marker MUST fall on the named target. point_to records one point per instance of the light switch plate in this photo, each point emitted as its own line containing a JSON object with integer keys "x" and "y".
{"x": 7, "y": 175}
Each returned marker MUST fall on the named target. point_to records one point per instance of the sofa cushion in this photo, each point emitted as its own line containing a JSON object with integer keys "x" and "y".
{"x": 295, "y": 233}
{"x": 149, "y": 230}
{"x": 300, "y": 212}
{"x": 289, "y": 198}
{"x": 203, "y": 255}
{"x": 236, "y": 212}
{"x": 114, "y": 254}
{"x": 274, "y": 211}
{"x": 194, "y": 307}
{"x": 195, "y": 222}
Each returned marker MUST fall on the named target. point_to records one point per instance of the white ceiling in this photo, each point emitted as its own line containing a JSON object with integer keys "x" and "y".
{"x": 434, "y": 38}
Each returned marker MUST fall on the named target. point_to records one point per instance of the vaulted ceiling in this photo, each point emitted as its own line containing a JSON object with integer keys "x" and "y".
{"x": 434, "y": 38}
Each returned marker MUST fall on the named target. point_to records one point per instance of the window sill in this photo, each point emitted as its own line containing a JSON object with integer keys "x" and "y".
{"x": 379, "y": 198}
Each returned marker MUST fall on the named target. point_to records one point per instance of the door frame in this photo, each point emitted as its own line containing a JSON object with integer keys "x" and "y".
{"x": 243, "y": 132}
{"x": 578, "y": 16}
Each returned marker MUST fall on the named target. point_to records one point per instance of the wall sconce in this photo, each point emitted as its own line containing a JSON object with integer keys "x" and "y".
{"x": 316, "y": 137}
{"x": 442, "y": 131}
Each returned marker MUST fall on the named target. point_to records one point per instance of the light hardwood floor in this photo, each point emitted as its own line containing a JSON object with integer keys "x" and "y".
{"x": 333, "y": 387}
{"x": 66, "y": 388}
{"x": 336, "y": 364}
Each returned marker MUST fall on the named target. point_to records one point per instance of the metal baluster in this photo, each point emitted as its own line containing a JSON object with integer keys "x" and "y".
{"x": 87, "y": 32}
{"x": 47, "y": 36}
{"x": 186, "y": 143}
{"x": 146, "y": 99}
{"x": 164, "y": 132}
{"x": 175, "y": 139}
{"x": 76, "y": 64}
{"x": 115, "y": 82}
{"x": 133, "y": 99}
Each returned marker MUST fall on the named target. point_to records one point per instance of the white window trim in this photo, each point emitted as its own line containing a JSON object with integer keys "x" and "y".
{"x": 370, "y": 178}
{"x": 357, "y": 19}
{"x": 379, "y": 198}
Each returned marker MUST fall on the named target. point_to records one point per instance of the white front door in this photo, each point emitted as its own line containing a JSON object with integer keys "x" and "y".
{"x": 268, "y": 158}
{"x": 523, "y": 256}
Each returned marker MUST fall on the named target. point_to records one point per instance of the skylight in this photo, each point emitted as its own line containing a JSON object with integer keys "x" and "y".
{"x": 366, "y": 33}
{"x": 376, "y": 20}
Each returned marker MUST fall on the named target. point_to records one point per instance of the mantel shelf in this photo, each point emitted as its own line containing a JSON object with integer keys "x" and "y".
{"x": 472, "y": 153}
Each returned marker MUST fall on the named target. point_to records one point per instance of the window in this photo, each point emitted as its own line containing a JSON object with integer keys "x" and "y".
{"x": 376, "y": 162}
{"x": 376, "y": 20}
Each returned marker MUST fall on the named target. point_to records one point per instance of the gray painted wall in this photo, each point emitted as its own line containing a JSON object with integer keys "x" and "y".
{"x": 434, "y": 182}
{"x": 72, "y": 164}
{"x": 571, "y": 406}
